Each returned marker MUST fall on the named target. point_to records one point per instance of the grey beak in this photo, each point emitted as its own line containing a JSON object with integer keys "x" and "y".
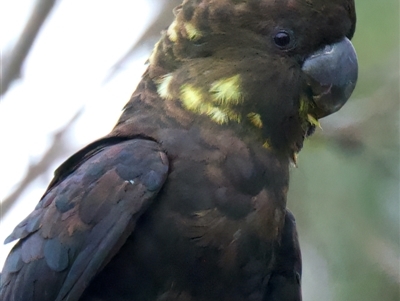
{"x": 332, "y": 75}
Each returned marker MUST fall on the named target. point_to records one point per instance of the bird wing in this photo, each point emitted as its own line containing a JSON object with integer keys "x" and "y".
{"x": 285, "y": 281}
{"x": 90, "y": 208}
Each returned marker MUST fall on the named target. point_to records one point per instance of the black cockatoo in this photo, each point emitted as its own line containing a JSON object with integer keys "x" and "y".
{"x": 185, "y": 199}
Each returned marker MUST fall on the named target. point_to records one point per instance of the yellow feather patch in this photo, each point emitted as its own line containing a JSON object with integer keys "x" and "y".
{"x": 163, "y": 86}
{"x": 195, "y": 100}
{"x": 217, "y": 115}
{"x": 255, "y": 119}
{"x": 313, "y": 121}
{"x": 191, "y": 97}
{"x": 267, "y": 144}
{"x": 172, "y": 33}
{"x": 304, "y": 106}
{"x": 192, "y": 32}
{"x": 227, "y": 90}
{"x": 234, "y": 116}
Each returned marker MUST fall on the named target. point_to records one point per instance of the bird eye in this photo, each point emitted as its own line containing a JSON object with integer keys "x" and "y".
{"x": 284, "y": 39}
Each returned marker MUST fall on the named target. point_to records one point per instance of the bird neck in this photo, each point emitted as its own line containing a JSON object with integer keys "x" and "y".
{"x": 229, "y": 86}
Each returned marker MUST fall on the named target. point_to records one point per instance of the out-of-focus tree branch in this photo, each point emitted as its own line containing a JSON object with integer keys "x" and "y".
{"x": 56, "y": 151}
{"x": 12, "y": 61}
{"x": 162, "y": 19}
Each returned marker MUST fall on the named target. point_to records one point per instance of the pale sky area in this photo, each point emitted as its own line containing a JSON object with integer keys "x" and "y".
{"x": 65, "y": 70}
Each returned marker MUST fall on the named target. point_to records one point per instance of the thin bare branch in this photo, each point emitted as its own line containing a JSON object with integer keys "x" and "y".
{"x": 13, "y": 61}
{"x": 56, "y": 151}
{"x": 162, "y": 19}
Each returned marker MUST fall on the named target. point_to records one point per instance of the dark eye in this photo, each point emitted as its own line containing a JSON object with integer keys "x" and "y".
{"x": 284, "y": 39}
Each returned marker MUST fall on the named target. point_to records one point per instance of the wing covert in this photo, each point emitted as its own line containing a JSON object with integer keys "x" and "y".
{"x": 82, "y": 221}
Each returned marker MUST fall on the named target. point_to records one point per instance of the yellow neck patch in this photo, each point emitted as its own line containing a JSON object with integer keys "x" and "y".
{"x": 227, "y": 90}
{"x": 219, "y": 101}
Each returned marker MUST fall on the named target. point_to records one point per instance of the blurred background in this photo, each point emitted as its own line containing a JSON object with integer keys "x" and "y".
{"x": 68, "y": 67}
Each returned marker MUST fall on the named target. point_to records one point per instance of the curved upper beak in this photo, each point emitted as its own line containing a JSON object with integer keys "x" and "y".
{"x": 332, "y": 76}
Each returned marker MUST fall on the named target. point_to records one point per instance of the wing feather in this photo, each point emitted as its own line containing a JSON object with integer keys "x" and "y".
{"x": 82, "y": 220}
